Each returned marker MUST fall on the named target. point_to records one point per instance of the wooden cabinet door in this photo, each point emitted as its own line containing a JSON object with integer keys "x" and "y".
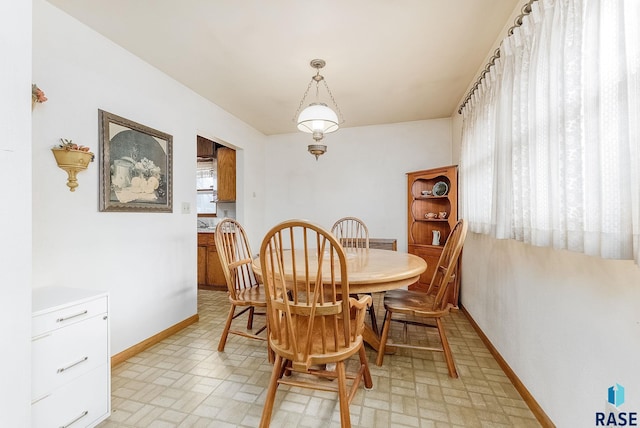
{"x": 202, "y": 265}
{"x": 205, "y": 148}
{"x": 215, "y": 275}
{"x": 226, "y": 158}
{"x": 431, "y": 255}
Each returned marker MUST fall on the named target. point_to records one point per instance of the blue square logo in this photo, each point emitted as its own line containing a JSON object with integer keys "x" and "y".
{"x": 616, "y": 395}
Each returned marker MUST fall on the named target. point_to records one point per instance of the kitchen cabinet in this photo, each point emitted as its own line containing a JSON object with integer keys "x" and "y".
{"x": 209, "y": 268}
{"x": 216, "y": 177}
{"x": 226, "y": 159}
{"x": 205, "y": 148}
{"x": 70, "y": 365}
{"x": 432, "y": 213}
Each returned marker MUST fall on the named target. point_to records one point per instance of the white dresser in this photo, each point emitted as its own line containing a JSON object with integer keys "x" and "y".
{"x": 70, "y": 370}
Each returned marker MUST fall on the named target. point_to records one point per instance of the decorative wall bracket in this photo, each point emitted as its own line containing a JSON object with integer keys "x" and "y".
{"x": 72, "y": 161}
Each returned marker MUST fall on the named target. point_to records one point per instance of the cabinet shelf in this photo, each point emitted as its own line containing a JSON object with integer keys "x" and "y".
{"x": 436, "y": 220}
{"x": 417, "y": 198}
{"x": 428, "y": 246}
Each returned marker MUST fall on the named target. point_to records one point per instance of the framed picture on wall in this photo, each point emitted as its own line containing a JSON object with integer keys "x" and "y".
{"x": 135, "y": 166}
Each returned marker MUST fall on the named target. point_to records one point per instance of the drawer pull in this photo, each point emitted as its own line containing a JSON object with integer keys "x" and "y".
{"x": 72, "y": 316}
{"x": 85, "y": 413}
{"x": 40, "y": 399}
{"x": 42, "y": 336}
{"x": 60, "y": 370}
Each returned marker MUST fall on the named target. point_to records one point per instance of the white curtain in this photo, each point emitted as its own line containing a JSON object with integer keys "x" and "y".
{"x": 550, "y": 144}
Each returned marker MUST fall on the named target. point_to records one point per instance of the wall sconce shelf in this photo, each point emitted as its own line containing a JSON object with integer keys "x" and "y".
{"x": 72, "y": 161}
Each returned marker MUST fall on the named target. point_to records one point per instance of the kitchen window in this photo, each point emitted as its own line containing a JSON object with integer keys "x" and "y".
{"x": 206, "y": 184}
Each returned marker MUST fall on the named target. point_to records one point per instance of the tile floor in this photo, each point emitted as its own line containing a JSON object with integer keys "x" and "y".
{"x": 184, "y": 382}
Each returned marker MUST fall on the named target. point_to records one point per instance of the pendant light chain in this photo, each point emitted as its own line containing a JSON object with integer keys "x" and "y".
{"x": 335, "y": 104}
{"x": 304, "y": 97}
{"x": 317, "y": 78}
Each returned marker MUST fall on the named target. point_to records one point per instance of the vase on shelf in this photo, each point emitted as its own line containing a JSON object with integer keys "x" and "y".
{"x": 436, "y": 238}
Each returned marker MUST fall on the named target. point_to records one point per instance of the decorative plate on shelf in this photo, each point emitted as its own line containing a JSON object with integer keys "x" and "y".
{"x": 440, "y": 188}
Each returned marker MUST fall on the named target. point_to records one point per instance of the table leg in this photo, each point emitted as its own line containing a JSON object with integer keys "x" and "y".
{"x": 373, "y": 340}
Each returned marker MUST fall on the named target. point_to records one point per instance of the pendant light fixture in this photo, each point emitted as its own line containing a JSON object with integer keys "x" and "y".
{"x": 318, "y": 118}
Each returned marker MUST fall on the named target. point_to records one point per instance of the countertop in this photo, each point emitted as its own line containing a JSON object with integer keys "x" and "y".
{"x": 206, "y": 230}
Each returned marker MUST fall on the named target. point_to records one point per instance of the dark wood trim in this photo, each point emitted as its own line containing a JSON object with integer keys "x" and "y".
{"x": 149, "y": 342}
{"x": 535, "y": 408}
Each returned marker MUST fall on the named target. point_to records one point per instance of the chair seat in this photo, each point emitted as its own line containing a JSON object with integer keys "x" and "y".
{"x": 410, "y": 302}
{"x": 254, "y": 296}
{"x": 318, "y": 355}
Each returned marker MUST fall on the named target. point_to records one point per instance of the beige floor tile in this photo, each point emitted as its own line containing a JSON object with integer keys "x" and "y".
{"x": 185, "y": 382}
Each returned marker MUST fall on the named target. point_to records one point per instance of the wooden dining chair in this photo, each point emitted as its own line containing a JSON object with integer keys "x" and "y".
{"x": 245, "y": 293}
{"x": 312, "y": 323}
{"x": 432, "y": 305}
{"x": 352, "y": 232}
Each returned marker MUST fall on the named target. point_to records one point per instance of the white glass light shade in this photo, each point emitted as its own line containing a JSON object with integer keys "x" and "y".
{"x": 318, "y": 118}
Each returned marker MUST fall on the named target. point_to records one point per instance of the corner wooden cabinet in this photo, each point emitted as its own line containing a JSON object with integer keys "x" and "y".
{"x": 431, "y": 193}
{"x": 209, "y": 268}
{"x": 70, "y": 364}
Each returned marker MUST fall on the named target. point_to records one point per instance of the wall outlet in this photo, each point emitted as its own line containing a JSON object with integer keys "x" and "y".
{"x": 186, "y": 208}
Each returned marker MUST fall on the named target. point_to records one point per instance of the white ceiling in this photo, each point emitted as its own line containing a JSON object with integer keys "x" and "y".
{"x": 387, "y": 61}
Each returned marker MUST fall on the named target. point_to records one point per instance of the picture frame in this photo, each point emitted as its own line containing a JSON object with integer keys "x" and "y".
{"x": 136, "y": 166}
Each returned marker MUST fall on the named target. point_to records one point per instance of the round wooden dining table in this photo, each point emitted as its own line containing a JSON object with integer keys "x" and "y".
{"x": 371, "y": 271}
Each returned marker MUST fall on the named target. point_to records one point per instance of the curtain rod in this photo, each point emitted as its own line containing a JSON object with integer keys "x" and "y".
{"x": 526, "y": 10}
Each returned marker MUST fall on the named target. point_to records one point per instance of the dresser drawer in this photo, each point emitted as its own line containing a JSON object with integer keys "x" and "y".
{"x": 67, "y": 353}
{"x": 84, "y": 400}
{"x": 45, "y": 322}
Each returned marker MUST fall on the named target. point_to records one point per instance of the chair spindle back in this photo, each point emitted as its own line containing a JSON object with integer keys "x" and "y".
{"x": 446, "y": 269}
{"x": 233, "y": 247}
{"x": 304, "y": 271}
{"x": 351, "y": 232}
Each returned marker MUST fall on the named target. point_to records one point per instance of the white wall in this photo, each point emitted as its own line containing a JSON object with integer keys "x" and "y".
{"x": 147, "y": 261}
{"x": 15, "y": 213}
{"x": 566, "y": 323}
{"x": 362, "y": 174}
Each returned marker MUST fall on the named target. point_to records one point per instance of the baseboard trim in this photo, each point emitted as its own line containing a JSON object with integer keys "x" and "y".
{"x": 149, "y": 342}
{"x": 535, "y": 408}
